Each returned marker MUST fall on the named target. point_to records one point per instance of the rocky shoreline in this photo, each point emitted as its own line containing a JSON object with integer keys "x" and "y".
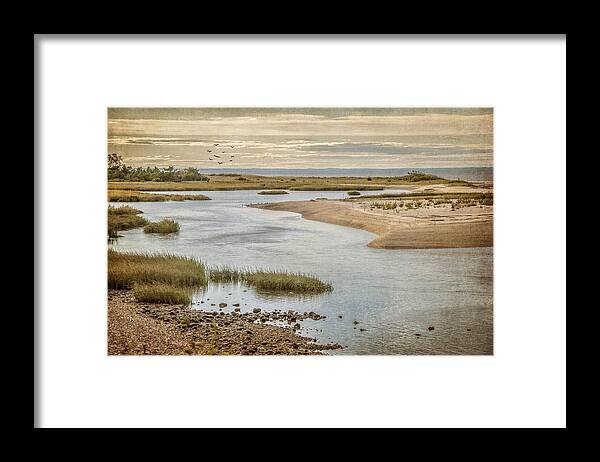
{"x": 136, "y": 328}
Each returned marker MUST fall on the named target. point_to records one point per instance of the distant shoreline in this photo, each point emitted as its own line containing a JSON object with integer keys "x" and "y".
{"x": 452, "y": 173}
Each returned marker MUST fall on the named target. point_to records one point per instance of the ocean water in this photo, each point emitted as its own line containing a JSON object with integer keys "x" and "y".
{"x": 392, "y": 294}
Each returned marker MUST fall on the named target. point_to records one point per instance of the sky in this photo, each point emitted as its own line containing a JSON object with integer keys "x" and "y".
{"x": 303, "y": 137}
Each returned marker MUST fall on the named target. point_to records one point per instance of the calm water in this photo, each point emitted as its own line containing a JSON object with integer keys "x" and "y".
{"x": 393, "y": 294}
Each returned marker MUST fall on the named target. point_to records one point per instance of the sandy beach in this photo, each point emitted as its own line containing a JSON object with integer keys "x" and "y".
{"x": 426, "y": 227}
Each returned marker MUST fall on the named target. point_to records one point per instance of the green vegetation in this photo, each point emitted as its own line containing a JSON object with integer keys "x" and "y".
{"x": 122, "y": 218}
{"x": 274, "y": 281}
{"x": 340, "y": 187}
{"x": 162, "y": 293}
{"x": 162, "y": 227}
{"x": 272, "y": 192}
{"x": 167, "y": 278}
{"x": 353, "y": 193}
{"x": 123, "y": 210}
{"x": 432, "y": 196}
{"x": 125, "y": 270}
{"x": 117, "y": 170}
{"x": 271, "y": 280}
{"x": 224, "y": 274}
{"x": 417, "y": 177}
{"x": 384, "y": 205}
{"x": 422, "y": 199}
{"x": 136, "y": 196}
{"x": 237, "y": 181}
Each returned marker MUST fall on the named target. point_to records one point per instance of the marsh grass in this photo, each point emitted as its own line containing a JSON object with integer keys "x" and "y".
{"x": 385, "y": 205}
{"x": 342, "y": 187}
{"x": 162, "y": 227}
{"x": 123, "y": 210}
{"x": 166, "y": 278}
{"x": 137, "y": 196}
{"x": 433, "y": 196}
{"x": 159, "y": 292}
{"x": 275, "y": 281}
{"x": 123, "y": 218}
{"x": 224, "y": 274}
{"x": 272, "y": 192}
{"x": 126, "y": 269}
{"x": 236, "y": 181}
{"x": 271, "y": 280}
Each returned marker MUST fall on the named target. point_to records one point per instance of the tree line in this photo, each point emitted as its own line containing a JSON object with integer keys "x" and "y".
{"x": 118, "y": 170}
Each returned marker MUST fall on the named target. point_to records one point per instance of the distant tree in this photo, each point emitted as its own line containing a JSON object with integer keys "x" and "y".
{"x": 115, "y": 161}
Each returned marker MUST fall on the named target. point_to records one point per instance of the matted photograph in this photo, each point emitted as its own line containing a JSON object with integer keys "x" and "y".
{"x": 300, "y": 231}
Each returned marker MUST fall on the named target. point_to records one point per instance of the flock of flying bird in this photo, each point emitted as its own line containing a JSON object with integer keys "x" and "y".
{"x": 216, "y": 156}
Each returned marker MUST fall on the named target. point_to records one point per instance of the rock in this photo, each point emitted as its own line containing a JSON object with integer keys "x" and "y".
{"x": 430, "y": 328}
{"x": 236, "y": 304}
{"x": 340, "y": 316}
{"x": 222, "y": 305}
{"x": 362, "y": 330}
{"x": 468, "y": 330}
{"x": 256, "y": 310}
{"x": 417, "y": 335}
{"x": 212, "y": 304}
{"x": 236, "y": 309}
{"x": 296, "y": 326}
{"x": 354, "y": 322}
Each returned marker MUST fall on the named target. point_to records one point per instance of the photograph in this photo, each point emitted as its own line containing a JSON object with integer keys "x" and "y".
{"x": 300, "y": 230}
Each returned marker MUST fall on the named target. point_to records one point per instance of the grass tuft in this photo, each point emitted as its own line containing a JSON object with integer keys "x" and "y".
{"x": 125, "y": 270}
{"x": 272, "y": 192}
{"x": 162, "y": 227}
{"x": 123, "y": 218}
{"x": 137, "y": 196}
{"x": 162, "y": 293}
{"x": 123, "y": 210}
{"x": 271, "y": 280}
